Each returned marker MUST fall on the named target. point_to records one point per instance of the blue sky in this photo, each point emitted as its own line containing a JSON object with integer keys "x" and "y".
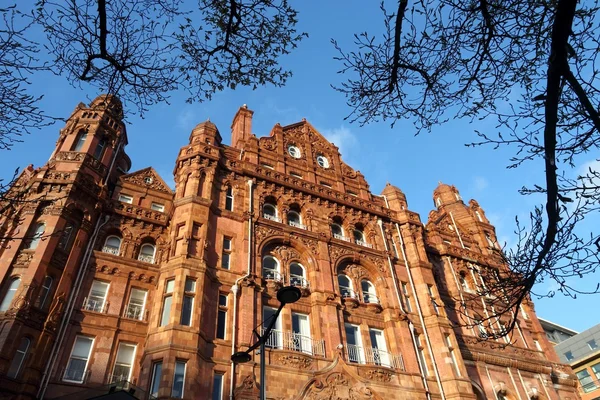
{"x": 413, "y": 163}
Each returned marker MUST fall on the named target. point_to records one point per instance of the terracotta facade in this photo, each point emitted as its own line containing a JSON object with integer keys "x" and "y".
{"x": 109, "y": 276}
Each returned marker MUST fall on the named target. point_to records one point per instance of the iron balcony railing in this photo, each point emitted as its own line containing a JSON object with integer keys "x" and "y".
{"x": 299, "y": 281}
{"x": 134, "y": 311}
{"x": 348, "y": 293}
{"x": 111, "y": 250}
{"x": 370, "y": 298}
{"x": 372, "y": 356}
{"x": 76, "y": 374}
{"x": 95, "y": 305}
{"x": 272, "y": 275}
{"x": 296, "y": 224}
{"x": 147, "y": 258}
{"x": 363, "y": 243}
{"x": 285, "y": 340}
{"x": 271, "y": 217}
{"x": 119, "y": 378}
{"x": 340, "y": 237}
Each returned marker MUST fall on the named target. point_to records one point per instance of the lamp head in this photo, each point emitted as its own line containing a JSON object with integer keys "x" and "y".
{"x": 240, "y": 357}
{"x": 288, "y": 294}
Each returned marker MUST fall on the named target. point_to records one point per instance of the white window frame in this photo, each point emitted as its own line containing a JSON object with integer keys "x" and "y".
{"x": 143, "y": 309}
{"x": 379, "y": 348}
{"x": 275, "y": 340}
{"x": 22, "y": 354}
{"x": 31, "y": 243}
{"x": 322, "y": 161}
{"x": 218, "y": 379}
{"x": 371, "y": 293}
{"x": 270, "y": 217}
{"x": 154, "y": 381}
{"x": 125, "y": 198}
{"x": 88, "y": 299}
{"x": 276, "y": 273}
{"x": 109, "y": 248}
{"x": 9, "y": 296}
{"x": 183, "y": 379}
{"x": 45, "y": 290}
{"x": 157, "y": 207}
{"x": 294, "y": 151}
{"x": 359, "y": 346}
{"x": 222, "y": 309}
{"x": 150, "y": 258}
{"x": 302, "y": 340}
{"x": 452, "y": 354}
{"x": 229, "y": 198}
{"x": 87, "y": 360}
{"x": 349, "y": 289}
{"x": 131, "y": 361}
{"x": 300, "y": 280}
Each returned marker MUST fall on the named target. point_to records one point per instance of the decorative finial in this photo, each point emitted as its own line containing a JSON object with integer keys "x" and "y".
{"x": 245, "y": 106}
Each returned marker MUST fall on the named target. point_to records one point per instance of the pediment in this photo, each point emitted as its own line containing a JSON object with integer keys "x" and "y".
{"x": 443, "y": 223}
{"x": 149, "y": 178}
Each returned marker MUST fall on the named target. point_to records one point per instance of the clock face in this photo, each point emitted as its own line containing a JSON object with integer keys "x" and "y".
{"x": 294, "y": 151}
{"x": 323, "y": 161}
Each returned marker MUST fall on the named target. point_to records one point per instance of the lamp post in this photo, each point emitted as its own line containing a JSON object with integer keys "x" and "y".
{"x": 285, "y": 295}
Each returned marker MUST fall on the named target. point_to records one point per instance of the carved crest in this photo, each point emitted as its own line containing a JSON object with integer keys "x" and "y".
{"x": 147, "y": 177}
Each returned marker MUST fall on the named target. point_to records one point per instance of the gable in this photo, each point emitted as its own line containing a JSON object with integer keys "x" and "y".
{"x": 147, "y": 177}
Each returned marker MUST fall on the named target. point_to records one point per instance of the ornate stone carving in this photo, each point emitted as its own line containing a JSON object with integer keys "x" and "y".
{"x": 24, "y": 258}
{"x": 336, "y": 252}
{"x": 262, "y": 232}
{"x": 338, "y": 386}
{"x": 295, "y": 361}
{"x": 147, "y": 178}
{"x": 379, "y": 375}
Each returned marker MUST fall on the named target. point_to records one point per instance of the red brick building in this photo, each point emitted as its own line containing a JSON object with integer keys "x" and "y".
{"x": 110, "y": 279}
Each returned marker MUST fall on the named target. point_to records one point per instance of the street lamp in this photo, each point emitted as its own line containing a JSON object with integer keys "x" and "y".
{"x": 285, "y": 295}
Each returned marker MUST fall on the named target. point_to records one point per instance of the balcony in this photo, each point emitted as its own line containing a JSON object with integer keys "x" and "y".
{"x": 146, "y": 258}
{"x": 372, "y": 356}
{"x": 299, "y": 281}
{"x": 134, "y": 311}
{"x": 340, "y": 237}
{"x": 363, "y": 243}
{"x": 271, "y": 275}
{"x": 295, "y": 342}
{"x": 271, "y": 217}
{"x": 95, "y": 305}
{"x": 111, "y": 250}
{"x": 296, "y": 225}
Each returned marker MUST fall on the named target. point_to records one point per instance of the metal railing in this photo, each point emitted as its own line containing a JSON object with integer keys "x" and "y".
{"x": 119, "y": 378}
{"x": 348, "y": 293}
{"x": 299, "y": 281}
{"x": 370, "y": 298}
{"x": 147, "y": 258}
{"x": 134, "y": 311}
{"x": 76, "y": 374}
{"x": 272, "y": 275}
{"x": 363, "y": 243}
{"x": 271, "y": 217}
{"x": 94, "y": 305}
{"x": 296, "y": 225}
{"x": 111, "y": 250}
{"x": 341, "y": 237}
{"x": 285, "y": 340}
{"x": 359, "y": 355}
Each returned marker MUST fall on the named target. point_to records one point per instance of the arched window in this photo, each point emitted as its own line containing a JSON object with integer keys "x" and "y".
{"x": 270, "y": 212}
{"x": 10, "y": 294}
{"x": 147, "y": 253}
{"x": 19, "y": 357}
{"x": 80, "y": 140}
{"x": 44, "y": 291}
{"x": 464, "y": 283}
{"x": 359, "y": 237}
{"x": 270, "y": 268}
{"x": 201, "y": 184}
{"x": 337, "y": 231}
{"x": 346, "y": 286}
{"x": 99, "y": 152}
{"x": 65, "y": 237}
{"x": 294, "y": 219}
{"x": 35, "y": 236}
{"x": 368, "y": 292}
{"x": 297, "y": 275}
{"x": 112, "y": 245}
{"x": 229, "y": 199}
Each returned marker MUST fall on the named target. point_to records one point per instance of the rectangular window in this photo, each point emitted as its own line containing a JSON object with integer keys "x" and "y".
{"x": 406, "y": 297}
{"x": 97, "y": 297}
{"x": 156, "y": 377}
{"x": 170, "y": 286}
{"x": 537, "y": 345}
{"x": 379, "y": 348}
{"x": 596, "y": 370}
{"x": 137, "y": 302}
{"x": 296, "y": 175}
{"x": 166, "y": 312}
{"x": 217, "y": 393}
{"x": 276, "y": 338}
{"x": 569, "y": 356}
{"x": 432, "y": 298}
{"x": 226, "y": 254}
{"x": 126, "y": 198}
{"x": 452, "y": 354}
{"x": 586, "y": 381}
{"x": 78, "y": 360}
{"x": 354, "y": 344}
{"x": 229, "y": 199}
{"x": 178, "y": 380}
{"x": 123, "y": 363}
{"x": 186, "y": 310}
{"x": 592, "y": 344}
{"x": 157, "y": 207}
{"x": 222, "y": 317}
{"x": 301, "y": 340}
{"x": 190, "y": 285}
{"x": 268, "y": 166}
{"x": 421, "y": 354}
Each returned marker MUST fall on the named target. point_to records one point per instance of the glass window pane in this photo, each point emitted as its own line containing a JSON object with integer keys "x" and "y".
{"x": 17, "y": 361}
{"x": 178, "y": 380}
{"x": 221, "y": 322}
{"x": 137, "y": 296}
{"x": 82, "y": 347}
{"x": 226, "y": 244}
{"x": 166, "y": 313}
{"x": 125, "y": 353}
{"x": 10, "y": 294}
{"x": 186, "y": 310}
{"x": 170, "y": 286}
{"x": 223, "y": 300}
{"x": 190, "y": 285}
{"x": 225, "y": 260}
{"x": 156, "y": 377}
{"x": 217, "y": 387}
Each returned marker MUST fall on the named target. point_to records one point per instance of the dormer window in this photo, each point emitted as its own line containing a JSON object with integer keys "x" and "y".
{"x": 322, "y": 161}
{"x": 293, "y": 151}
